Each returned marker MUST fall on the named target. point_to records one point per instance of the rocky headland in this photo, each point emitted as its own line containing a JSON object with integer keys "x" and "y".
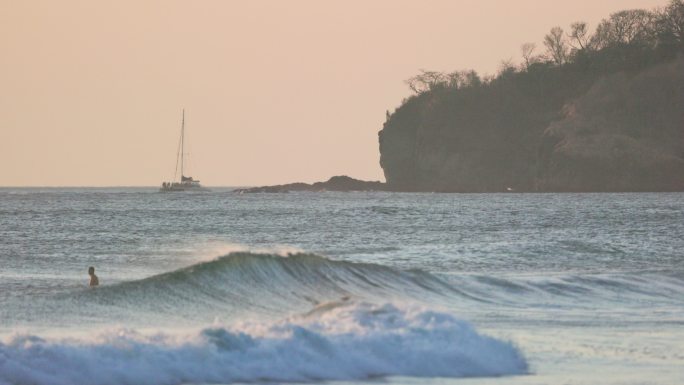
{"x": 596, "y": 113}
{"x": 624, "y": 133}
{"x": 593, "y": 113}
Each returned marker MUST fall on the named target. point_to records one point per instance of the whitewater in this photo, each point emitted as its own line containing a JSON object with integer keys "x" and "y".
{"x": 341, "y": 288}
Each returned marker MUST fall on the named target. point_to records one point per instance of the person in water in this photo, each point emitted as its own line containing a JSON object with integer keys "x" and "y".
{"x": 93, "y": 278}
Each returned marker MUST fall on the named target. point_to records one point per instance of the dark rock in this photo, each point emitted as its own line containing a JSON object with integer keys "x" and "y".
{"x": 336, "y": 183}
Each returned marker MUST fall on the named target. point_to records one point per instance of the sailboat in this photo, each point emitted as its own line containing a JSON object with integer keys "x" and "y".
{"x": 186, "y": 183}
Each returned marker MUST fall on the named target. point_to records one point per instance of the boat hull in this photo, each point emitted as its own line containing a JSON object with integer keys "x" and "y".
{"x": 183, "y": 188}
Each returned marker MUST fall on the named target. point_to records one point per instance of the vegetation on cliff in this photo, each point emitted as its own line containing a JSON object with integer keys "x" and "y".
{"x": 601, "y": 111}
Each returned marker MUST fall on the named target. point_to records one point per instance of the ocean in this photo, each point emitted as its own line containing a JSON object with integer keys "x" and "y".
{"x": 340, "y": 288}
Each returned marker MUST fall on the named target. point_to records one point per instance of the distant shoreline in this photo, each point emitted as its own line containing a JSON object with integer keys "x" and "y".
{"x": 314, "y": 188}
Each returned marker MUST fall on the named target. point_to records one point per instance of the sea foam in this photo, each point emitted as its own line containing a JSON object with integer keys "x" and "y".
{"x": 340, "y": 340}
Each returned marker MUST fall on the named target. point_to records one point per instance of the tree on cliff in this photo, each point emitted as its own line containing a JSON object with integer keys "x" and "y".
{"x": 556, "y": 45}
{"x": 579, "y": 35}
{"x": 670, "y": 25}
{"x": 527, "y": 51}
{"x": 623, "y": 36}
{"x": 626, "y": 28}
{"x": 427, "y": 81}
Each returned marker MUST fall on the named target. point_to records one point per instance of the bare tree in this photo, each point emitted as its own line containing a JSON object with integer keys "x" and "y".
{"x": 455, "y": 79}
{"x": 671, "y": 21}
{"x": 556, "y": 46}
{"x": 579, "y": 35}
{"x": 527, "y": 51}
{"x": 625, "y": 28}
{"x": 468, "y": 78}
{"x": 427, "y": 81}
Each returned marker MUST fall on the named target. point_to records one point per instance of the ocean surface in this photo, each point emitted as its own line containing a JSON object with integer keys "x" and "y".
{"x": 340, "y": 288}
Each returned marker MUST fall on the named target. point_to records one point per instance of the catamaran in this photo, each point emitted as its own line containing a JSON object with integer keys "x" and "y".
{"x": 186, "y": 183}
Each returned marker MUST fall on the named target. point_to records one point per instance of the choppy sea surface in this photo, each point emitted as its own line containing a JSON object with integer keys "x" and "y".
{"x": 340, "y": 288}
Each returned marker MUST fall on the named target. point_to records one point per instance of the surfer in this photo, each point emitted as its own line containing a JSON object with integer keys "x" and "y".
{"x": 93, "y": 278}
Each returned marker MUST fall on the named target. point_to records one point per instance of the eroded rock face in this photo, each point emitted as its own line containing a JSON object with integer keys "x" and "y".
{"x": 626, "y": 133}
{"x": 480, "y": 141}
{"x": 398, "y": 148}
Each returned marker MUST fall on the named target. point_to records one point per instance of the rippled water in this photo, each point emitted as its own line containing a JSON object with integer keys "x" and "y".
{"x": 445, "y": 288}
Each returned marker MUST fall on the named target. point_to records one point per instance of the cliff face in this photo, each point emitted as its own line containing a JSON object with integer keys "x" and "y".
{"x": 542, "y": 131}
{"x": 625, "y": 134}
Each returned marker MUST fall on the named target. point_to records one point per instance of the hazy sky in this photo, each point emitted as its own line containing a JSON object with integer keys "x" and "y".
{"x": 91, "y": 92}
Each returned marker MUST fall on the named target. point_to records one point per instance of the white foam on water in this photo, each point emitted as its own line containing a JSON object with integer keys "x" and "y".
{"x": 339, "y": 341}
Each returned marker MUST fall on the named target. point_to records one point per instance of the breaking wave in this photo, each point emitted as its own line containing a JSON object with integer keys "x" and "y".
{"x": 342, "y": 340}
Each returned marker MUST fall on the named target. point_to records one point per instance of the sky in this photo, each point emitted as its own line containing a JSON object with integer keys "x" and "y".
{"x": 91, "y": 92}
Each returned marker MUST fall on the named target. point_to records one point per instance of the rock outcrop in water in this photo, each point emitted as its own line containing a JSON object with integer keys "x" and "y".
{"x": 608, "y": 117}
{"x": 336, "y": 183}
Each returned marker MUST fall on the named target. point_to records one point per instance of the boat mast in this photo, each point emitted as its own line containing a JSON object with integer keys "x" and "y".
{"x": 182, "y": 154}
{"x": 178, "y": 151}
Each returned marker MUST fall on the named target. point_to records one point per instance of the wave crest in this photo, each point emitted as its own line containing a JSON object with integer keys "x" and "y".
{"x": 265, "y": 282}
{"x": 347, "y": 342}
